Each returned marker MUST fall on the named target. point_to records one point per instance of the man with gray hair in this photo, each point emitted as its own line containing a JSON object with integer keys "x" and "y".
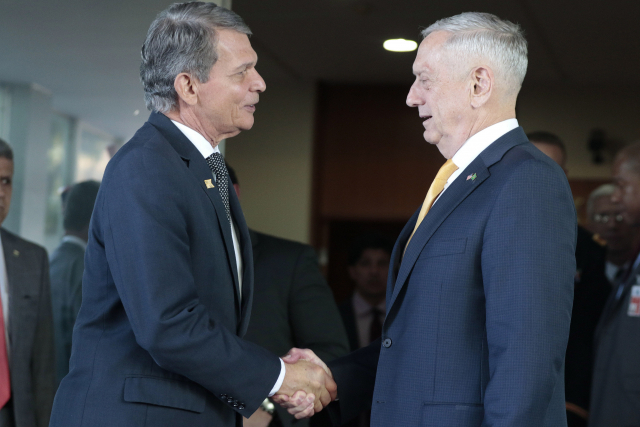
{"x": 481, "y": 278}
{"x": 606, "y": 220}
{"x": 615, "y": 391}
{"x": 167, "y": 286}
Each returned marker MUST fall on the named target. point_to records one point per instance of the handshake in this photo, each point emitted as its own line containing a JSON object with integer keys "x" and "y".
{"x": 308, "y": 385}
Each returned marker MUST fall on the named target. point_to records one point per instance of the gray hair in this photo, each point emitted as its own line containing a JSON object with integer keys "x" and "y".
{"x": 182, "y": 39}
{"x": 605, "y": 190}
{"x": 483, "y": 35}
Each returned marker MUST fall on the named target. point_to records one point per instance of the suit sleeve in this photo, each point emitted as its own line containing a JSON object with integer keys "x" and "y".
{"x": 528, "y": 264}
{"x": 43, "y": 367}
{"x": 314, "y": 316}
{"x": 147, "y": 236}
{"x": 355, "y": 375}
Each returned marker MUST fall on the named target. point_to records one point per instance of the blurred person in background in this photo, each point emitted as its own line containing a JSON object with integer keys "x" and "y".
{"x": 615, "y": 395}
{"x": 591, "y": 289}
{"x": 363, "y": 313}
{"x": 27, "y": 377}
{"x": 292, "y": 307}
{"x": 605, "y": 219}
{"x": 67, "y": 266}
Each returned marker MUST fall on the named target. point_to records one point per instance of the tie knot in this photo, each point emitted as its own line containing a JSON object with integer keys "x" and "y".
{"x": 446, "y": 170}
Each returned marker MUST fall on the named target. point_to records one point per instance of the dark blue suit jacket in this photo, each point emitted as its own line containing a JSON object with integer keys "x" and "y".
{"x": 478, "y": 315}
{"x": 157, "y": 339}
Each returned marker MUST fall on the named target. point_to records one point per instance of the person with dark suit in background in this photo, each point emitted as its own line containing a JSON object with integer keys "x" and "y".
{"x": 67, "y": 266}
{"x": 615, "y": 390}
{"x": 606, "y": 220}
{"x": 27, "y": 376}
{"x": 591, "y": 289}
{"x": 479, "y": 311}
{"x": 363, "y": 312}
{"x": 292, "y": 307}
{"x": 168, "y": 282}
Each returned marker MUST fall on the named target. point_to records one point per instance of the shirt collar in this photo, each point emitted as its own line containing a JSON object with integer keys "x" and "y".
{"x": 481, "y": 140}
{"x": 363, "y": 308}
{"x": 203, "y": 146}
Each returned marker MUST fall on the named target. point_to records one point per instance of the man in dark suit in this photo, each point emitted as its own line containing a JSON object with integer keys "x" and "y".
{"x": 478, "y": 314}
{"x": 615, "y": 391}
{"x": 363, "y": 312}
{"x": 27, "y": 383}
{"x": 292, "y": 307}
{"x": 591, "y": 289}
{"x": 67, "y": 266}
{"x": 168, "y": 281}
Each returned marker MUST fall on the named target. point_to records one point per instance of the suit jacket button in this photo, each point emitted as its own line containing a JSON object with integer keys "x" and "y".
{"x": 241, "y": 407}
{"x": 223, "y": 396}
{"x": 229, "y": 400}
{"x": 387, "y": 342}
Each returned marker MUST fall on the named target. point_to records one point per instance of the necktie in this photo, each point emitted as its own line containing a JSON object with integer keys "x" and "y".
{"x": 376, "y": 324}
{"x": 5, "y": 383}
{"x": 436, "y": 188}
{"x": 217, "y": 166}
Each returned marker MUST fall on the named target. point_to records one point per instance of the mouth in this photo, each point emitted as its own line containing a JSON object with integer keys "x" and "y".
{"x": 426, "y": 119}
{"x": 251, "y": 107}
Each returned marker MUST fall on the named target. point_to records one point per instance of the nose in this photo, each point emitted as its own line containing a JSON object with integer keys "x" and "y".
{"x": 258, "y": 83}
{"x": 413, "y": 100}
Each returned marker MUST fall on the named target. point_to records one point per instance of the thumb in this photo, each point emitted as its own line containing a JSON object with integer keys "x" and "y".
{"x": 293, "y": 355}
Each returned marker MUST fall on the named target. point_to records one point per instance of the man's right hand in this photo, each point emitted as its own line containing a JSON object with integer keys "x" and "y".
{"x": 310, "y": 380}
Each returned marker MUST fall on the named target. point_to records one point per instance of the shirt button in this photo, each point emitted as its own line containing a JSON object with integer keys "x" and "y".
{"x": 386, "y": 343}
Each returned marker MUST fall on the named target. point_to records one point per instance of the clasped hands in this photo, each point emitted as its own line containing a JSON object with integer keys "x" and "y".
{"x": 308, "y": 385}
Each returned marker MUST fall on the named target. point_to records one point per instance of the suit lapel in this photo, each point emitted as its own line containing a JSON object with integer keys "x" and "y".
{"x": 201, "y": 172}
{"x": 459, "y": 190}
{"x": 450, "y": 199}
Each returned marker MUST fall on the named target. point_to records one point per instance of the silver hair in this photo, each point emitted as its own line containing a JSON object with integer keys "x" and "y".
{"x": 483, "y": 35}
{"x": 182, "y": 39}
{"x": 603, "y": 191}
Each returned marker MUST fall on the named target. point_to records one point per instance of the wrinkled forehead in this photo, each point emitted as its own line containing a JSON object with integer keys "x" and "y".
{"x": 604, "y": 204}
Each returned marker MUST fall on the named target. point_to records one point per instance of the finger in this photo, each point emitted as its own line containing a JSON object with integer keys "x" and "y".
{"x": 305, "y": 414}
{"x": 280, "y": 398}
{"x": 332, "y": 388}
{"x": 306, "y": 404}
{"x": 325, "y": 398}
{"x": 293, "y": 355}
{"x": 317, "y": 406}
{"x": 300, "y": 398}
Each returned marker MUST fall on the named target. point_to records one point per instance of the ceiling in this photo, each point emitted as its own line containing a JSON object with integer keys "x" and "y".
{"x": 86, "y": 52}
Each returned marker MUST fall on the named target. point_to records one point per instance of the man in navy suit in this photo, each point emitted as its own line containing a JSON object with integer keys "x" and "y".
{"x": 478, "y": 313}
{"x": 167, "y": 287}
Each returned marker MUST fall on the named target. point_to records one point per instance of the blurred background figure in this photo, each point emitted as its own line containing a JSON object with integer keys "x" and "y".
{"x": 615, "y": 396}
{"x": 26, "y": 336}
{"x": 67, "y": 266}
{"x": 363, "y": 313}
{"x": 292, "y": 307}
{"x": 590, "y": 293}
{"x": 607, "y": 223}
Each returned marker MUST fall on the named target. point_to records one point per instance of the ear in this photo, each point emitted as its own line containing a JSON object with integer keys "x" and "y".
{"x": 186, "y": 87}
{"x": 482, "y": 79}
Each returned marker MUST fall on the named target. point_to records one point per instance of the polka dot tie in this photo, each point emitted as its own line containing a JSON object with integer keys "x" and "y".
{"x": 219, "y": 168}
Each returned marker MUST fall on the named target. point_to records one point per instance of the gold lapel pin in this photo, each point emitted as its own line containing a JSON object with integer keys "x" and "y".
{"x": 16, "y": 252}
{"x": 208, "y": 183}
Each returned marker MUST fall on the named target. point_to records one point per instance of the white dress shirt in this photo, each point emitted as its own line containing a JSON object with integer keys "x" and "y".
{"x": 476, "y": 145}
{"x": 205, "y": 148}
{"x": 364, "y": 317}
{"x": 4, "y": 295}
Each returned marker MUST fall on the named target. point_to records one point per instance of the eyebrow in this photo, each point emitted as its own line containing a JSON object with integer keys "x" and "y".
{"x": 245, "y": 65}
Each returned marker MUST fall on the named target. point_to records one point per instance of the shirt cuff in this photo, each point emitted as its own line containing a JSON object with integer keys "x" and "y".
{"x": 278, "y": 384}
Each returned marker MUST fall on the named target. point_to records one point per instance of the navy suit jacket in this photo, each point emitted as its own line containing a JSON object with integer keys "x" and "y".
{"x": 478, "y": 315}
{"x": 157, "y": 339}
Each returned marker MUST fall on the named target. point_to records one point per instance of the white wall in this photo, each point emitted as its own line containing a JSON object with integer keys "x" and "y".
{"x": 273, "y": 161}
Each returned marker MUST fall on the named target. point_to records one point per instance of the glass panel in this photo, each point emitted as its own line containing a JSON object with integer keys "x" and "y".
{"x": 57, "y": 155}
{"x": 5, "y": 110}
{"x": 95, "y": 149}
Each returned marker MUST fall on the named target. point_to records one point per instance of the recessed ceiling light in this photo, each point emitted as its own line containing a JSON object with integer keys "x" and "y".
{"x": 400, "y": 45}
